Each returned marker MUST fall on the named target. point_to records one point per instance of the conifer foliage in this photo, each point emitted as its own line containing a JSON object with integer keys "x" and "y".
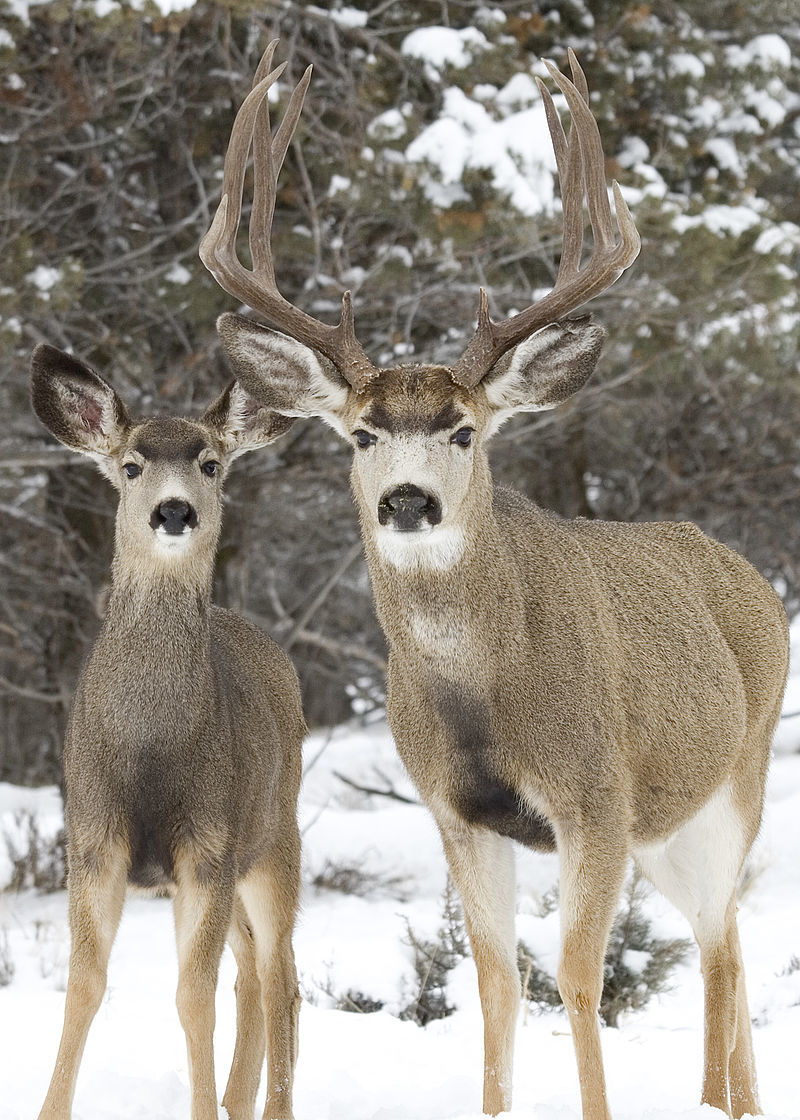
{"x": 420, "y": 172}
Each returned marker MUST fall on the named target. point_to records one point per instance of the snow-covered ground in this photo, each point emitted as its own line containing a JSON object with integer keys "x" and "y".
{"x": 375, "y": 1066}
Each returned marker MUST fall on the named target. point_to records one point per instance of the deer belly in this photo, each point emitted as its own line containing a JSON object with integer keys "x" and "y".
{"x": 475, "y": 787}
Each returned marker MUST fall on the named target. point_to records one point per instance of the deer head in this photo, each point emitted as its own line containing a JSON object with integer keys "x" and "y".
{"x": 168, "y": 470}
{"x": 418, "y": 431}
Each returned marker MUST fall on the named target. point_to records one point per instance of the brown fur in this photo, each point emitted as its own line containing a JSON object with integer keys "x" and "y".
{"x": 607, "y": 689}
{"x": 183, "y": 752}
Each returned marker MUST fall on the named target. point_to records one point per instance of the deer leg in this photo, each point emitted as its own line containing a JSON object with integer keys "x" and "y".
{"x": 96, "y": 896}
{"x": 697, "y": 872}
{"x": 720, "y": 964}
{"x": 270, "y": 893}
{"x": 248, "y": 1055}
{"x": 482, "y": 865}
{"x": 742, "y": 1067}
{"x": 591, "y": 877}
{"x": 202, "y": 907}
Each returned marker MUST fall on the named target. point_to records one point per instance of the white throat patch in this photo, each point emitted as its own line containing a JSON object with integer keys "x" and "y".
{"x": 172, "y": 542}
{"x": 430, "y": 548}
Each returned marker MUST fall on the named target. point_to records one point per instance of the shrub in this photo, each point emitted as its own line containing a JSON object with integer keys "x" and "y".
{"x": 37, "y": 861}
{"x": 434, "y": 960}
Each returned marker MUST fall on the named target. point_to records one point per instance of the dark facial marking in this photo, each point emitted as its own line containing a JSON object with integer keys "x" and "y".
{"x": 166, "y": 450}
{"x": 446, "y": 418}
{"x": 378, "y": 416}
{"x": 479, "y": 796}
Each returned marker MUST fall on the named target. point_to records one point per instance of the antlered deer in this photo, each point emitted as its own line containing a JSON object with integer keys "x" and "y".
{"x": 183, "y": 752}
{"x": 609, "y": 690}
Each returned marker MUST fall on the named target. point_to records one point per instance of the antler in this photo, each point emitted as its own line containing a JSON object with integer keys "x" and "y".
{"x": 258, "y": 288}
{"x": 580, "y": 170}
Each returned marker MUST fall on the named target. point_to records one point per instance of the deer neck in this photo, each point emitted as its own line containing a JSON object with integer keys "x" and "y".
{"x": 151, "y": 672}
{"x": 444, "y": 613}
{"x": 165, "y": 603}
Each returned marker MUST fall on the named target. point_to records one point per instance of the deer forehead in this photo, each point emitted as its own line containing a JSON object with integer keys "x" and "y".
{"x": 171, "y": 440}
{"x": 416, "y": 399}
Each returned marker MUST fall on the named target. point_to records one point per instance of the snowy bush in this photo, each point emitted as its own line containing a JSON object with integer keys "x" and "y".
{"x": 638, "y": 965}
{"x": 37, "y": 861}
{"x": 434, "y": 959}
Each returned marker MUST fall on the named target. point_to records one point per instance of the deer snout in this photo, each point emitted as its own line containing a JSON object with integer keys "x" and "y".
{"x": 406, "y": 507}
{"x": 173, "y": 516}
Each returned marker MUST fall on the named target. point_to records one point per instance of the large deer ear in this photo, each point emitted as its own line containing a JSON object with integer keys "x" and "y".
{"x": 76, "y": 404}
{"x": 545, "y": 369}
{"x": 282, "y": 374}
{"x": 242, "y": 422}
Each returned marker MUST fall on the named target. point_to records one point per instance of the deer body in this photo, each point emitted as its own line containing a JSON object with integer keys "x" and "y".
{"x": 183, "y": 751}
{"x": 608, "y": 690}
{"x": 621, "y": 670}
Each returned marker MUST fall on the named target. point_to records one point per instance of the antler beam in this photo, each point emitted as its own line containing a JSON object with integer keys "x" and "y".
{"x": 580, "y": 164}
{"x": 257, "y": 286}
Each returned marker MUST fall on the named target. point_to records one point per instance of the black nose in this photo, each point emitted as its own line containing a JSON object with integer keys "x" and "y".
{"x": 406, "y": 506}
{"x": 174, "y": 515}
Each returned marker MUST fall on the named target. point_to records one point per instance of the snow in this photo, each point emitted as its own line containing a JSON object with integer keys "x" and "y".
{"x": 734, "y": 220}
{"x": 438, "y": 47}
{"x": 686, "y": 65}
{"x": 178, "y": 274}
{"x": 44, "y": 279}
{"x": 724, "y": 153}
{"x": 387, "y": 126}
{"x": 765, "y": 51}
{"x": 344, "y": 17}
{"x": 783, "y": 238}
{"x": 516, "y": 152}
{"x": 375, "y": 1066}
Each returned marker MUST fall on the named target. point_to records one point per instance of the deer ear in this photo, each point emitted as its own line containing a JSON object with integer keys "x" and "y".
{"x": 242, "y": 422}
{"x": 545, "y": 369}
{"x": 280, "y": 373}
{"x": 76, "y": 404}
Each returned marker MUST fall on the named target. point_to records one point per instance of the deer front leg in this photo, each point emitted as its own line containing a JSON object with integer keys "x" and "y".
{"x": 96, "y": 895}
{"x": 592, "y": 871}
{"x": 203, "y": 904}
{"x": 248, "y": 1056}
{"x": 270, "y": 893}
{"x": 482, "y": 865}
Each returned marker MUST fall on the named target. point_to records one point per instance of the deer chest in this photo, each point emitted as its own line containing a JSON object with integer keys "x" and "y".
{"x": 463, "y": 761}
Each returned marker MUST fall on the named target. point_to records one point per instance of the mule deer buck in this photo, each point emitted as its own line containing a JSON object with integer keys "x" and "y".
{"x": 183, "y": 751}
{"x": 607, "y": 690}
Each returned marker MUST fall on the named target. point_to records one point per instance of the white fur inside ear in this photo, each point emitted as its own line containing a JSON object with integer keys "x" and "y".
{"x": 509, "y": 390}
{"x": 93, "y": 418}
{"x": 243, "y": 430}
{"x": 544, "y": 370}
{"x": 291, "y": 368}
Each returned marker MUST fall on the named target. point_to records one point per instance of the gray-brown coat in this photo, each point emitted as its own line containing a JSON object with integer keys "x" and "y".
{"x": 608, "y": 689}
{"x": 183, "y": 751}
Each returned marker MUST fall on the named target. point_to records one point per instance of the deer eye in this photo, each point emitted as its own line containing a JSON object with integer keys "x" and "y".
{"x": 364, "y": 439}
{"x": 210, "y": 467}
{"x": 132, "y": 470}
{"x": 463, "y": 437}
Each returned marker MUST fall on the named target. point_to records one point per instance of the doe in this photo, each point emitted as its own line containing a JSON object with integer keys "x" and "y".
{"x": 608, "y": 690}
{"x": 183, "y": 752}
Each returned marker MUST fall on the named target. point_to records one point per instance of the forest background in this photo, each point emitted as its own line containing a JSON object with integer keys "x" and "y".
{"x": 420, "y": 173}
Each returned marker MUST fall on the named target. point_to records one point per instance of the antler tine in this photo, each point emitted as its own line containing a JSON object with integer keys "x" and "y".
{"x": 257, "y": 287}
{"x": 581, "y": 170}
{"x": 569, "y": 166}
{"x": 268, "y": 156}
{"x": 585, "y": 127}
